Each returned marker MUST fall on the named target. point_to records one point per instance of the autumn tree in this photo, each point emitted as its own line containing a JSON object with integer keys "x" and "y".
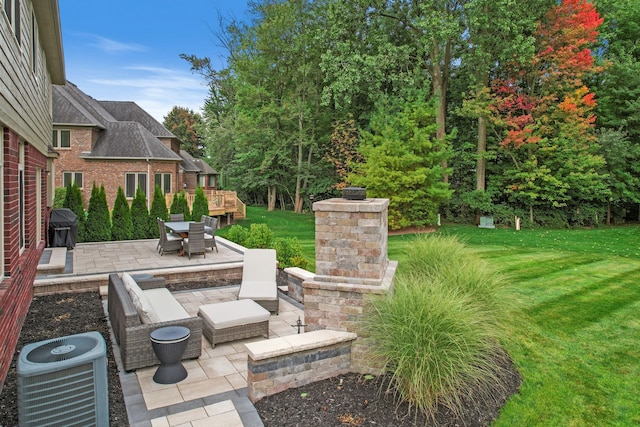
{"x": 546, "y": 113}
{"x": 185, "y": 124}
{"x": 343, "y": 151}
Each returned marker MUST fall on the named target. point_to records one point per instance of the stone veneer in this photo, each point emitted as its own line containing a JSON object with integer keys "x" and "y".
{"x": 292, "y": 361}
{"x": 351, "y": 265}
{"x": 351, "y": 240}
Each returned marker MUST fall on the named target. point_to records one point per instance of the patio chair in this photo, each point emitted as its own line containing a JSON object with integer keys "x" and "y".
{"x": 168, "y": 242}
{"x": 176, "y": 217}
{"x": 210, "y": 237}
{"x": 259, "y": 278}
{"x": 194, "y": 244}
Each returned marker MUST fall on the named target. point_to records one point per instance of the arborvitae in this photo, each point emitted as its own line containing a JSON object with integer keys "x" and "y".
{"x": 179, "y": 204}
{"x": 140, "y": 216}
{"x": 200, "y": 205}
{"x": 158, "y": 210}
{"x": 121, "y": 225}
{"x": 98, "y": 228}
{"x": 73, "y": 200}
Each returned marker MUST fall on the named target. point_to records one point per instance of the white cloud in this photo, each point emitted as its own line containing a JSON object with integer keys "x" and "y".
{"x": 112, "y": 47}
{"x": 157, "y": 90}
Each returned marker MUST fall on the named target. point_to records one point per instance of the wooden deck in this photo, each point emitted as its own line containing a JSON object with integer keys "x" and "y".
{"x": 221, "y": 203}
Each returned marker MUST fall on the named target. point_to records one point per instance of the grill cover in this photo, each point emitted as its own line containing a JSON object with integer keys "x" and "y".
{"x": 63, "y": 228}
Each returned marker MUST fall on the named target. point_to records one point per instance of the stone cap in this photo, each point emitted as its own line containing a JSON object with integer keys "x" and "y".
{"x": 288, "y": 344}
{"x": 344, "y": 205}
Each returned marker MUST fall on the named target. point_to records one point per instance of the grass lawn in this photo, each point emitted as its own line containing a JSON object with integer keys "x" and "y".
{"x": 576, "y": 328}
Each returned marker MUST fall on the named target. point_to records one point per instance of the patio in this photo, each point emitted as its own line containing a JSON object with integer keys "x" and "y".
{"x": 214, "y": 393}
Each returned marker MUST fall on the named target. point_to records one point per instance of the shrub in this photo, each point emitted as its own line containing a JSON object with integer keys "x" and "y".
{"x": 121, "y": 225}
{"x": 289, "y": 253}
{"x": 58, "y": 198}
{"x": 98, "y": 228}
{"x": 73, "y": 200}
{"x": 238, "y": 234}
{"x": 438, "y": 331}
{"x": 140, "y": 216}
{"x": 179, "y": 204}
{"x": 158, "y": 210}
{"x": 260, "y": 236}
{"x": 200, "y": 205}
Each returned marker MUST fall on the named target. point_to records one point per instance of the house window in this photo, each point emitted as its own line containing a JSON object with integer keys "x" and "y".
{"x": 12, "y": 11}
{"x": 61, "y": 138}
{"x": 21, "y": 196}
{"x": 133, "y": 181}
{"x": 70, "y": 178}
{"x": 163, "y": 180}
{"x": 212, "y": 180}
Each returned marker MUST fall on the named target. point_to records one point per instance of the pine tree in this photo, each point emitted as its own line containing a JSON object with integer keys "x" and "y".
{"x": 140, "y": 216}
{"x": 179, "y": 204}
{"x": 98, "y": 227}
{"x": 121, "y": 227}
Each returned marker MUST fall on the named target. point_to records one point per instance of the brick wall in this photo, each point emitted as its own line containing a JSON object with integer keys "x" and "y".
{"x": 16, "y": 287}
{"x": 110, "y": 173}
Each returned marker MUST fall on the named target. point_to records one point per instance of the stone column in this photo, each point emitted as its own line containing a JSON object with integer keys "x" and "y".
{"x": 351, "y": 263}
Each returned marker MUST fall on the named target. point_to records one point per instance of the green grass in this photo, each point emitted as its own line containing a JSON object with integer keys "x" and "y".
{"x": 576, "y": 341}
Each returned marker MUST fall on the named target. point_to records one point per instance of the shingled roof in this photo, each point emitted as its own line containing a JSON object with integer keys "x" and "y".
{"x": 126, "y": 130}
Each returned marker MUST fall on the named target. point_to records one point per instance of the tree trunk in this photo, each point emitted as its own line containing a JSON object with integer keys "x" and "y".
{"x": 608, "y": 213}
{"x": 271, "y": 197}
{"x": 531, "y": 214}
{"x": 481, "y": 163}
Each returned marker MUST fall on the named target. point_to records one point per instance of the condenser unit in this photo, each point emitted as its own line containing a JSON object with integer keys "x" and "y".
{"x": 63, "y": 382}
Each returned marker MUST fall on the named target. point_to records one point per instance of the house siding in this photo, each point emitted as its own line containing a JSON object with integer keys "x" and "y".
{"x": 25, "y": 118}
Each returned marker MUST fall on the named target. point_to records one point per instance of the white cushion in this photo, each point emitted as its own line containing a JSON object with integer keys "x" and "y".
{"x": 233, "y": 313}
{"x": 140, "y": 301}
{"x": 207, "y": 236}
{"x": 258, "y": 291}
{"x": 165, "y": 305}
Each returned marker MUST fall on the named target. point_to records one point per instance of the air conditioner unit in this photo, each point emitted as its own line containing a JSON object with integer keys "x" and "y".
{"x": 63, "y": 382}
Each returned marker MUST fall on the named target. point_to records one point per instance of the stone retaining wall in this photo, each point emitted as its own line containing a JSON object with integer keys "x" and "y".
{"x": 292, "y": 361}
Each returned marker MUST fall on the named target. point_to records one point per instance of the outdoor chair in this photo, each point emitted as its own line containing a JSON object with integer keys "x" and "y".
{"x": 210, "y": 238}
{"x": 194, "y": 244}
{"x": 176, "y": 217}
{"x": 259, "y": 278}
{"x": 168, "y": 242}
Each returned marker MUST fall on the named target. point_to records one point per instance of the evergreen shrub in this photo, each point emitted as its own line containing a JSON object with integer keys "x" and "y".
{"x": 140, "y": 216}
{"x": 73, "y": 200}
{"x": 158, "y": 210}
{"x": 200, "y": 205}
{"x": 121, "y": 225}
{"x": 98, "y": 227}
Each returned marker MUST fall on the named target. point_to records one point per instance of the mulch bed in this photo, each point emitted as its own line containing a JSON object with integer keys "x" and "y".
{"x": 350, "y": 400}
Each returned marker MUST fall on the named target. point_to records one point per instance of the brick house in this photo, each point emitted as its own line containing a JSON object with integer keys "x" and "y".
{"x": 32, "y": 59}
{"x": 117, "y": 144}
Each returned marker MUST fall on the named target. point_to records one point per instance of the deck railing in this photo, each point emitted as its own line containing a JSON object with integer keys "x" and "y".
{"x": 221, "y": 202}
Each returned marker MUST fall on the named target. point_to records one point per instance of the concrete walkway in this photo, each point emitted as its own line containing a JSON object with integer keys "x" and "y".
{"x": 215, "y": 391}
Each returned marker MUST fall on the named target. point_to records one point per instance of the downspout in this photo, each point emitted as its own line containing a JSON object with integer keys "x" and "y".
{"x": 148, "y": 185}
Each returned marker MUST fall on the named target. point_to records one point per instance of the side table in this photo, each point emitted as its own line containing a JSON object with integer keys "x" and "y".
{"x": 169, "y": 344}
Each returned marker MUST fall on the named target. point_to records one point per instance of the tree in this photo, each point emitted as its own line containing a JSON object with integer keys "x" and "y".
{"x": 158, "y": 210}
{"x": 121, "y": 224}
{"x": 546, "y": 111}
{"x": 403, "y": 161}
{"x": 343, "y": 150}
{"x": 200, "y": 205}
{"x": 73, "y": 200}
{"x": 140, "y": 219}
{"x": 179, "y": 205}
{"x": 185, "y": 124}
{"x": 98, "y": 227}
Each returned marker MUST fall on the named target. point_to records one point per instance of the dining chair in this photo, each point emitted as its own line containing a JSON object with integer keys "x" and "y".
{"x": 194, "y": 244}
{"x": 210, "y": 237}
{"x": 176, "y": 217}
{"x": 168, "y": 241}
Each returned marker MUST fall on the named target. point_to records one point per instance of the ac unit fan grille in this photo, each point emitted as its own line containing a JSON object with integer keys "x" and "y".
{"x": 50, "y": 395}
{"x": 61, "y": 349}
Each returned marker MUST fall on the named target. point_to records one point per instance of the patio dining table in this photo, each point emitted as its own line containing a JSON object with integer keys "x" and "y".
{"x": 182, "y": 227}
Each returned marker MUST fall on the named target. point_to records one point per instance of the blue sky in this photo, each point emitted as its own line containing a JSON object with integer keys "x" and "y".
{"x": 127, "y": 50}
